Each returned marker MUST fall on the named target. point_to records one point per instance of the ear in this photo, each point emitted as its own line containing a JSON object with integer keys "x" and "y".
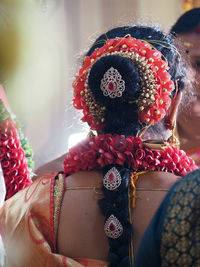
{"x": 171, "y": 117}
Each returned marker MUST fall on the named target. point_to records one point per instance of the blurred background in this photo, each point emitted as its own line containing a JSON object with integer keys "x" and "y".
{"x": 41, "y": 43}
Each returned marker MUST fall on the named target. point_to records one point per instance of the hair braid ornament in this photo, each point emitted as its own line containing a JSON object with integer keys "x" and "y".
{"x": 112, "y": 84}
{"x": 112, "y": 179}
{"x": 113, "y": 228}
{"x": 156, "y": 82}
{"x": 114, "y": 206}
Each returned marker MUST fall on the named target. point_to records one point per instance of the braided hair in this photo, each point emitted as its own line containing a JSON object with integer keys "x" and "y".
{"x": 115, "y": 203}
{"x": 121, "y": 118}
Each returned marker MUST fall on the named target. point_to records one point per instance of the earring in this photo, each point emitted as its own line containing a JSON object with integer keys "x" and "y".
{"x": 91, "y": 134}
{"x": 170, "y": 121}
{"x": 174, "y": 138}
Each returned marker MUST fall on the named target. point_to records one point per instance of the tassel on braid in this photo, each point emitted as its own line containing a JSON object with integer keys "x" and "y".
{"x": 115, "y": 207}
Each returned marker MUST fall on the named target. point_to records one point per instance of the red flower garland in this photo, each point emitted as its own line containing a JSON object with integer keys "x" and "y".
{"x": 99, "y": 151}
{"x": 13, "y": 160}
{"x": 164, "y": 84}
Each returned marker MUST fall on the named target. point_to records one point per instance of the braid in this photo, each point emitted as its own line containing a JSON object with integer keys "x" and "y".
{"x": 115, "y": 205}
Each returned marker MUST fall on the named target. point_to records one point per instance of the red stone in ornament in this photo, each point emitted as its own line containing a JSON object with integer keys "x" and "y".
{"x": 112, "y": 227}
{"x": 111, "y": 177}
{"x": 111, "y": 86}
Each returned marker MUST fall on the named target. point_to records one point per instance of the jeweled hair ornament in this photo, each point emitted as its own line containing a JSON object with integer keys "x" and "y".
{"x": 156, "y": 83}
{"x": 112, "y": 179}
{"x": 112, "y": 83}
{"x": 113, "y": 228}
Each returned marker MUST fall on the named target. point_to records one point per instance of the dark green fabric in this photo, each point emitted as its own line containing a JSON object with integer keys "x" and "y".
{"x": 173, "y": 236}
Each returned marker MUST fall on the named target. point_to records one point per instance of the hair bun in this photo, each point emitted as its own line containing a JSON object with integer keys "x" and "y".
{"x": 114, "y": 80}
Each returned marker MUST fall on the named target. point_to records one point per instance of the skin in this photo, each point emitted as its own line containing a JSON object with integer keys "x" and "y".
{"x": 81, "y": 220}
{"x": 189, "y": 115}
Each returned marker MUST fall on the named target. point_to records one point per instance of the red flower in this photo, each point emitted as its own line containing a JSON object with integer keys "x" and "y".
{"x": 99, "y": 151}
{"x": 3, "y": 151}
{"x": 129, "y": 158}
{"x": 120, "y": 157}
{"x": 140, "y": 154}
{"x": 13, "y": 159}
{"x": 157, "y": 154}
{"x": 137, "y": 142}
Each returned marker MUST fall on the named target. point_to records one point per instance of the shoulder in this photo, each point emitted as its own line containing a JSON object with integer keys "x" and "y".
{"x": 53, "y": 166}
{"x": 82, "y": 191}
{"x": 82, "y": 187}
{"x": 85, "y": 178}
{"x": 157, "y": 179}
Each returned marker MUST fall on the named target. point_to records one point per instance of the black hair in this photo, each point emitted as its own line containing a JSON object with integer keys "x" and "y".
{"x": 116, "y": 202}
{"x": 121, "y": 113}
{"x": 121, "y": 118}
{"x": 187, "y": 22}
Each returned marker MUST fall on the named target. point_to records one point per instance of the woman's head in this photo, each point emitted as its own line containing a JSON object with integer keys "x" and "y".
{"x": 187, "y": 30}
{"x": 188, "y": 22}
{"x": 187, "y": 33}
{"x": 125, "y": 82}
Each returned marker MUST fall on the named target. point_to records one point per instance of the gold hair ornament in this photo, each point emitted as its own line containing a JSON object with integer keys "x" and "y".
{"x": 154, "y": 98}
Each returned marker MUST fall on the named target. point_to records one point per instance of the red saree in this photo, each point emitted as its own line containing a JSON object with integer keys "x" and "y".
{"x": 29, "y": 223}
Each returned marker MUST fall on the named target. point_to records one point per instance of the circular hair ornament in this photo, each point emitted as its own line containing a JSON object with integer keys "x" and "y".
{"x": 154, "y": 98}
{"x": 112, "y": 179}
{"x": 112, "y": 83}
{"x": 113, "y": 228}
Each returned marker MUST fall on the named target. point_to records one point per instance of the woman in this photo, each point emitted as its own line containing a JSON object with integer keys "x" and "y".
{"x": 124, "y": 90}
{"x": 187, "y": 30}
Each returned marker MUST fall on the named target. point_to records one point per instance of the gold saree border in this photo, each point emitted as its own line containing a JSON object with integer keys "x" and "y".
{"x": 56, "y": 197}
